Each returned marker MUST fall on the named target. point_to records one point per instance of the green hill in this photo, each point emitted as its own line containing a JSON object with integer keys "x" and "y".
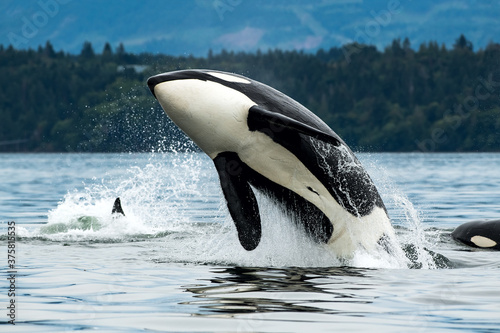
{"x": 401, "y": 99}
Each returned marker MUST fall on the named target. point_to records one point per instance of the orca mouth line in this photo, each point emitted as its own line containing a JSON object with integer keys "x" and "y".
{"x": 177, "y": 75}
{"x": 186, "y": 75}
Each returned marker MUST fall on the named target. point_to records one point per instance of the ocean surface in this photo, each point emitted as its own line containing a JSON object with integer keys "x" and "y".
{"x": 173, "y": 262}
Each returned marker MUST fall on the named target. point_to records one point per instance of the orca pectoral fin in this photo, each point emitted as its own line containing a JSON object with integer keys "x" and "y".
{"x": 260, "y": 119}
{"x": 240, "y": 198}
{"x": 117, "y": 207}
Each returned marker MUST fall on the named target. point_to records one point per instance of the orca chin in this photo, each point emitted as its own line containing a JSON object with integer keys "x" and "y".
{"x": 260, "y": 139}
{"x": 481, "y": 234}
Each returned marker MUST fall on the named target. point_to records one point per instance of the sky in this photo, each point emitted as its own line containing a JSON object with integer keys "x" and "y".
{"x": 193, "y": 27}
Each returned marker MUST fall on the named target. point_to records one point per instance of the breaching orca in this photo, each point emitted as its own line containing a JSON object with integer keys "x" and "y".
{"x": 259, "y": 138}
{"x": 483, "y": 234}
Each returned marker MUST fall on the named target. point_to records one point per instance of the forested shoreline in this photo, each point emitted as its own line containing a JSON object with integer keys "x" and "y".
{"x": 404, "y": 98}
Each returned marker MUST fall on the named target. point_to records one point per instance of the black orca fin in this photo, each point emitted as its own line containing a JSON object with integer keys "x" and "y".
{"x": 117, "y": 207}
{"x": 240, "y": 198}
{"x": 260, "y": 119}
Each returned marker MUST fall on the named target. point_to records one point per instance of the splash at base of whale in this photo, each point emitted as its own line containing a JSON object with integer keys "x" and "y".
{"x": 260, "y": 139}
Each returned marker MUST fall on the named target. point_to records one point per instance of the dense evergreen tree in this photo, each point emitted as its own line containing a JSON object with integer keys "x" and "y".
{"x": 87, "y": 51}
{"x": 402, "y": 99}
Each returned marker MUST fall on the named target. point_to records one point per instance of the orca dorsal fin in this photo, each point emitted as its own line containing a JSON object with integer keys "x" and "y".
{"x": 240, "y": 198}
{"x": 117, "y": 207}
{"x": 260, "y": 119}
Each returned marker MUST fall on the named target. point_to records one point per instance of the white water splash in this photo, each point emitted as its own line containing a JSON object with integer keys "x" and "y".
{"x": 416, "y": 235}
{"x": 412, "y": 232}
{"x": 155, "y": 197}
{"x": 176, "y": 200}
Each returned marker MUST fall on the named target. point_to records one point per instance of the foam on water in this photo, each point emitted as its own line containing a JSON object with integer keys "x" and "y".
{"x": 176, "y": 200}
{"x": 411, "y": 232}
{"x": 148, "y": 193}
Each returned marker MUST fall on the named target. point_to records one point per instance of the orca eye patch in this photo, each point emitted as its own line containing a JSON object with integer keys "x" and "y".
{"x": 483, "y": 241}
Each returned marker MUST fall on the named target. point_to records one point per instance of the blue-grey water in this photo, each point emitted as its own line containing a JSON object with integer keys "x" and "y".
{"x": 173, "y": 263}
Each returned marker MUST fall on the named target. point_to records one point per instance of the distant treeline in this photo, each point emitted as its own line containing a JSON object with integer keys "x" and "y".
{"x": 402, "y": 99}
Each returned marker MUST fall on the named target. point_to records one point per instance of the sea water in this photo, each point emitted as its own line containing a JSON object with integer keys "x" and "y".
{"x": 174, "y": 263}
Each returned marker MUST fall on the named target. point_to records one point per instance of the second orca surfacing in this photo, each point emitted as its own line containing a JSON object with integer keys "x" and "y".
{"x": 259, "y": 138}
